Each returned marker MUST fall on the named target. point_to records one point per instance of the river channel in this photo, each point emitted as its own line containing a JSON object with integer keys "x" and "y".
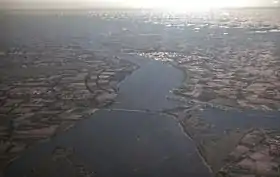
{"x": 131, "y": 138}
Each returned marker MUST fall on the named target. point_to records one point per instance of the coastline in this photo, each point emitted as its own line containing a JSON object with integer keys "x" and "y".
{"x": 183, "y": 114}
{"x": 75, "y": 94}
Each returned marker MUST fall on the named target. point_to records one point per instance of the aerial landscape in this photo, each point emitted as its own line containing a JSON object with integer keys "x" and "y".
{"x": 140, "y": 92}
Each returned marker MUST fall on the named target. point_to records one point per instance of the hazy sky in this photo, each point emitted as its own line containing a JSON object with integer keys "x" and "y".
{"x": 133, "y": 3}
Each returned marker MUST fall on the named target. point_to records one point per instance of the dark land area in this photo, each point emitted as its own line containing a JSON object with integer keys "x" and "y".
{"x": 163, "y": 94}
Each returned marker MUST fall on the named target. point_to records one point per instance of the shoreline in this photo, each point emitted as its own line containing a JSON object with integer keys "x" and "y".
{"x": 77, "y": 90}
{"x": 198, "y": 148}
{"x": 229, "y": 77}
{"x": 183, "y": 126}
{"x": 186, "y": 128}
{"x": 189, "y": 144}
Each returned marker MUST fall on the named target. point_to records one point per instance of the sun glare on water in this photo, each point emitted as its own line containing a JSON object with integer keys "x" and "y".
{"x": 185, "y": 4}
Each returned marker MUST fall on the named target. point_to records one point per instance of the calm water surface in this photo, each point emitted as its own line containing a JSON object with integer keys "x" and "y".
{"x": 123, "y": 143}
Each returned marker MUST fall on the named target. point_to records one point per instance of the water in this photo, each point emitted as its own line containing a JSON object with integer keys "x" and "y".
{"x": 247, "y": 119}
{"x": 118, "y": 143}
{"x": 148, "y": 87}
{"x": 124, "y": 143}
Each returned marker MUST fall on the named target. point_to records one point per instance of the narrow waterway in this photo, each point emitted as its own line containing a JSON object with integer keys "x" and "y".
{"x": 122, "y": 141}
{"x": 148, "y": 87}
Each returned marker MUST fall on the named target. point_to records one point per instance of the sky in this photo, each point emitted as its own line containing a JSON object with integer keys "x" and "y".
{"x": 172, "y": 4}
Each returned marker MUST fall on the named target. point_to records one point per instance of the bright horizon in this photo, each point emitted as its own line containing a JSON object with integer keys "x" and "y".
{"x": 157, "y": 4}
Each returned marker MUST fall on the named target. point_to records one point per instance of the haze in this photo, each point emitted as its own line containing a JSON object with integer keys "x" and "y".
{"x": 174, "y": 4}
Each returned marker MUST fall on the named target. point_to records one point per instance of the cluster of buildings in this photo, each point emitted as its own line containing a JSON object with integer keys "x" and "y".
{"x": 234, "y": 75}
{"x": 227, "y": 65}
